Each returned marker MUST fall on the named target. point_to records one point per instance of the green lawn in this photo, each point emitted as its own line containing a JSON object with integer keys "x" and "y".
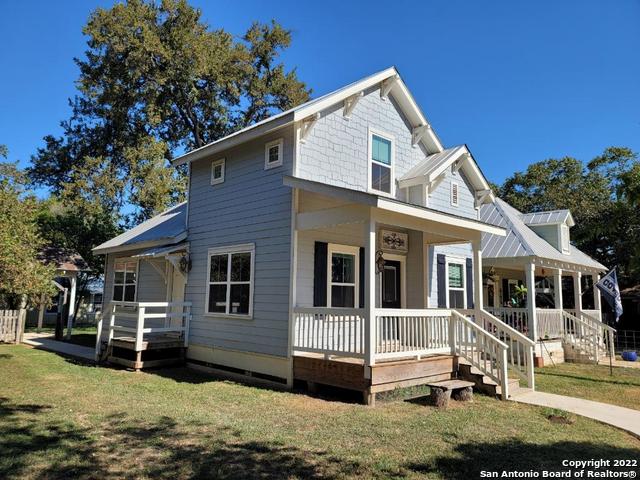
{"x": 592, "y": 382}
{"x": 60, "y": 419}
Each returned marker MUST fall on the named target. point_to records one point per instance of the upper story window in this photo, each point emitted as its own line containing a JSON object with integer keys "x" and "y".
{"x": 217, "y": 171}
{"x": 381, "y": 173}
{"x": 230, "y": 280}
{"x": 454, "y": 194}
{"x": 125, "y": 280}
{"x": 273, "y": 154}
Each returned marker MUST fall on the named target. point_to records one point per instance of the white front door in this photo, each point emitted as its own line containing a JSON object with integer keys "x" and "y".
{"x": 178, "y": 282}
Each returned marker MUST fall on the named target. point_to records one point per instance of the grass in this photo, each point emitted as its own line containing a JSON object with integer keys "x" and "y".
{"x": 592, "y": 382}
{"x": 81, "y": 335}
{"x": 60, "y": 419}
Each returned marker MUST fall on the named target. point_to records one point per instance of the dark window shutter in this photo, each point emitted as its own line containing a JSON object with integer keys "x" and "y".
{"x": 505, "y": 291}
{"x": 320, "y": 274}
{"x": 469, "y": 283}
{"x": 362, "y": 280}
{"x": 442, "y": 281}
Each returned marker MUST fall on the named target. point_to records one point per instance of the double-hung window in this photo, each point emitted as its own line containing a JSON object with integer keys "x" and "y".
{"x": 125, "y": 280}
{"x": 381, "y": 163}
{"x": 273, "y": 154}
{"x": 230, "y": 280}
{"x": 217, "y": 171}
{"x": 456, "y": 285}
{"x": 343, "y": 276}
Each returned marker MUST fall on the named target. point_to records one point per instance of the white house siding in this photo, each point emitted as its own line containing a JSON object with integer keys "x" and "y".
{"x": 549, "y": 233}
{"x": 251, "y": 206}
{"x": 336, "y": 150}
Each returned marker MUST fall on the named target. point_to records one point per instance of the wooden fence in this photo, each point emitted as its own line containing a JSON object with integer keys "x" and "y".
{"x": 12, "y": 325}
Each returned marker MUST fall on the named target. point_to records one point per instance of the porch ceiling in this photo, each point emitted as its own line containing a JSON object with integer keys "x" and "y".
{"x": 447, "y": 227}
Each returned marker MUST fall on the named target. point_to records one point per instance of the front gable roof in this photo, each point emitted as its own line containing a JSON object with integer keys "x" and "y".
{"x": 390, "y": 82}
{"x": 522, "y": 241}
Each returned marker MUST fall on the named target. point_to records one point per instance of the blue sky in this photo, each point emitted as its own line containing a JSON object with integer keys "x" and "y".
{"x": 517, "y": 81}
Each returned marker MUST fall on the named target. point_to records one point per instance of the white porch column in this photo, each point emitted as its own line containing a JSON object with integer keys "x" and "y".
{"x": 530, "y": 280}
{"x": 557, "y": 289}
{"x": 370, "y": 291}
{"x": 577, "y": 293}
{"x": 72, "y": 305}
{"x": 477, "y": 275}
{"x": 597, "y": 299}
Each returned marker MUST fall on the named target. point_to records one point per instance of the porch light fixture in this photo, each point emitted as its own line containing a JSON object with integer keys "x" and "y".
{"x": 379, "y": 261}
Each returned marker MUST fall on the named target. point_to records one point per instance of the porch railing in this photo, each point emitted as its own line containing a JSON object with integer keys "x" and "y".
{"x": 140, "y": 320}
{"x": 516, "y": 318}
{"x": 550, "y": 323}
{"x": 337, "y": 331}
{"x": 521, "y": 347}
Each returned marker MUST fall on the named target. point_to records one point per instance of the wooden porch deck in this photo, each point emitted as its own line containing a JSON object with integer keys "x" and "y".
{"x": 352, "y": 374}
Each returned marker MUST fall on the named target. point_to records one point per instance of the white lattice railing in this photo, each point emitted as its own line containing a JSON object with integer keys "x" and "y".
{"x": 330, "y": 331}
{"x": 549, "y": 323}
{"x": 521, "y": 347}
{"x": 403, "y": 332}
{"x": 140, "y": 319}
{"x": 480, "y": 348}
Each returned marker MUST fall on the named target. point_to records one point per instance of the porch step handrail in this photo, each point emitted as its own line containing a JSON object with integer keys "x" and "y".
{"x": 136, "y": 312}
{"x": 608, "y": 332}
{"x": 581, "y": 335}
{"x": 521, "y": 347}
{"x": 480, "y": 348}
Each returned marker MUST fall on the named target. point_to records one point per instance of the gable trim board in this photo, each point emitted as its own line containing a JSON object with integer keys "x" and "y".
{"x": 398, "y": 90}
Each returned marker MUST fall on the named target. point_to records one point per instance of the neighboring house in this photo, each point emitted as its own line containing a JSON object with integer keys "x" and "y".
{"x": 68, "y": 264}
{"x": 565, "y": 308}
{"x": 336, "y": 243}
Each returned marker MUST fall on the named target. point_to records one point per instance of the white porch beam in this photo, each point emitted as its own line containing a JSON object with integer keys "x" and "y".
{"x": 369, "y": 291}
{"x": 331, "y": 216}
{"x": 418, "y": 134}
{"x": 307, "y": 126}
{"x": 387, "y": 85}
{"x": 577, "y": 292}
{"x": 477, "y": 275}
{"x": 597, "y": 299}
{"x": 530, "y": 280}
{"x": 72, "y": 305}
{"x": 350, "y": 103}
{"x": 557, "y": 289}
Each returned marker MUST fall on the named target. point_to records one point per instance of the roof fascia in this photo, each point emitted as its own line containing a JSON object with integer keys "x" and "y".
{"x": 137, "y": 245}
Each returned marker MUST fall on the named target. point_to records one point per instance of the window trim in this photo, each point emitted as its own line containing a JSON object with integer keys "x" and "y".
{"x": 457, "y": 196}
{"x": 347, "y": 250}
{"x": 229, "y": 250}
{"x": 462, "y": 262}
{"x": 214, "y": 164}
{"x": 392, "y": 182}
{"x": 563, "y": 232}
{"x": 113, "y": 283}
{"x": 280, "y": 144}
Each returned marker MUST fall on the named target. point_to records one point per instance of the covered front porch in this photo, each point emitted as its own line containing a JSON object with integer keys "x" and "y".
{"x": 365, "y": 307}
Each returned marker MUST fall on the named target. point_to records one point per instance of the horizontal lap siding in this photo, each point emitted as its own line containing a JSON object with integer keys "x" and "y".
{"x": 440, "y": 198}
{"x": 462, "y": 251}
{"x": 251, "y": 206}
{"x": 336, "y": 150}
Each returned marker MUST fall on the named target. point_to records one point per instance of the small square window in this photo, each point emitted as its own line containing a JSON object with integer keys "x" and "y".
{"x": 217, "y": 171}
{"x": 273, "y": 154}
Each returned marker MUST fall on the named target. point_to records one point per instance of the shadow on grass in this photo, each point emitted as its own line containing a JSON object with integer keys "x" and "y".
{"x": 41, "y": 446}
{"x": 472, "y": 458}
{"x": 5, "y": 356}
{"x": 610, "y": 381}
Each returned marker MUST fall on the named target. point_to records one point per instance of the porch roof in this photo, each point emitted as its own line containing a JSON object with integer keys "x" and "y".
{"x": 392, "y": 205}
{"x": 167, "y": 228}
{"x": 522, "y": 241}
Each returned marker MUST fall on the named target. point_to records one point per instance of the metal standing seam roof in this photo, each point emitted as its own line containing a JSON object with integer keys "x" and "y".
{"x": 431, "y": 163}
{"x": 549, "y": 217}
{"x": 167, "y": 226}
{"x": 522, "y": 241}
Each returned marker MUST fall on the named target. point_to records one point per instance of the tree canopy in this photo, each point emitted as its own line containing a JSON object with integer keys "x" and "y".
{"x": 603, "y": 196}
{"x": 156, "y": 80}
{"x": 20, "y": 271}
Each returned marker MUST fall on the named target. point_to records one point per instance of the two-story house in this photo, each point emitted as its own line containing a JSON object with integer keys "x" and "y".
{"x": 335, "y": 243}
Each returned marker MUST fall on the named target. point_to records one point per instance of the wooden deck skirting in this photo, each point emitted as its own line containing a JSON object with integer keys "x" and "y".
{"x": 351, "y": 373}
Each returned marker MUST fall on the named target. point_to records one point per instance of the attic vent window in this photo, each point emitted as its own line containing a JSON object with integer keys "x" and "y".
{"x": 273, "y": 154}
{"x": 454, "y": 194}
{"x": 217, "y": 171}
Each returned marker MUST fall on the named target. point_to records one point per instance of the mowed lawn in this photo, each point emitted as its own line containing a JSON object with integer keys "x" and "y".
{"x": 593, "y": 382}
{"x": 82, "y": 335}
{"x": 60, "y": 419}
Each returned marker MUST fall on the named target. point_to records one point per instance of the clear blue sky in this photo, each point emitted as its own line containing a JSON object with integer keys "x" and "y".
{"x": 517, "y": 81}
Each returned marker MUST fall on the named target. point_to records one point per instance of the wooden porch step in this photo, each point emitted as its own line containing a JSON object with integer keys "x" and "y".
{"x": 483, "y": 382}
{"x": 452, "y": 384}
{"x": 141, "y": 364}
